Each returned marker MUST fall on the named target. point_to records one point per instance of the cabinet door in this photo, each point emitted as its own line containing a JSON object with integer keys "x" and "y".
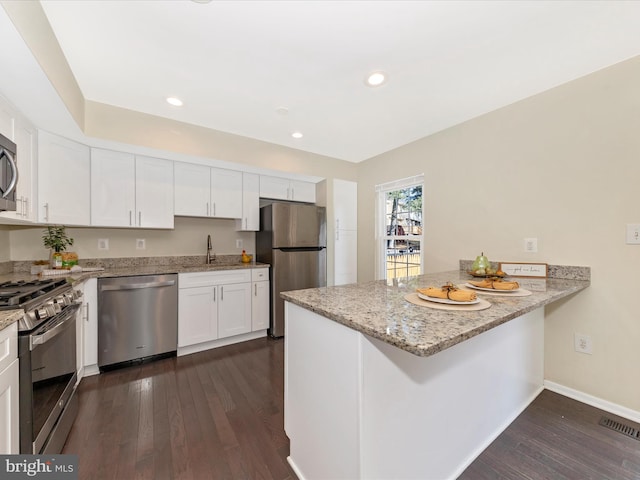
{"x": 250, "y": 220}
{"x": 345, "y": 257}
{"x": 226, "y": 193}
{"x": 63, "y": 181}
{"x": 197, "y": 315}
{"x": 260, "y": 306}
{"x": 113, "y": 201}
{"x": 274, "y": 187}
{"x": 90, "y": 322}
{"x": 302, "y": 191}
{"x": 9, "y": 429}
{"x": 234, "y": 309}
{"x": 345, "y": 201}
{"x": 154, "y": 192}
{"x": 192, "y": 189}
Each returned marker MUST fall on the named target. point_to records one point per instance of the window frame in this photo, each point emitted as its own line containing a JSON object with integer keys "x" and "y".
{"x": 382, "y": 235}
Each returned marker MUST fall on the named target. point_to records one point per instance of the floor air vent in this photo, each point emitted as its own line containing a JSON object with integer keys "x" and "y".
{"x": 620, "y": 427}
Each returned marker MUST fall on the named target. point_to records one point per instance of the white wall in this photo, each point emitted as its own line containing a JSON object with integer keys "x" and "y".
{"x": 561, "y": 166}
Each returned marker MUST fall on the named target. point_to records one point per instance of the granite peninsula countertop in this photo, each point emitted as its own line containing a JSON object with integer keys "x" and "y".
{"x": 379, "y": 309}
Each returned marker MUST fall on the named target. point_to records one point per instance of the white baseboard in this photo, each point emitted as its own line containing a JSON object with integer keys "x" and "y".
{"x": 605, "y": 405}
{"x": 295, "y": 469}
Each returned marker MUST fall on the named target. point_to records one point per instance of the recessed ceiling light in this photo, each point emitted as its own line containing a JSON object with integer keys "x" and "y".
{"x": 375, "y": 79}
{"x": 176, "y": 102}
{"x": 296, "y": 134}
{"x": 282, "y": 110}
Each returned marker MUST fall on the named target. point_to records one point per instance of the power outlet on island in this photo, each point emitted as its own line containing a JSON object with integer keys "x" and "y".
{"x": 238, "y": 243}
{"x": 141, "y": 244}
{"x": 103, "y": 244}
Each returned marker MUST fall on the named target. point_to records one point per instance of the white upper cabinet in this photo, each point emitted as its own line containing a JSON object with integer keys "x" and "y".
{"x": 279, "y": 188}
{"x": 130, "y": 191}
{"x": 63, "y": 181}
{"x": 250, "y": 220}
{"x": 202, "y": 191}
{"x": 192, "y": 188}
{"x": 226, "y": 193}
{"x": 154, "y": 192}
{"x": 113, "y": 200}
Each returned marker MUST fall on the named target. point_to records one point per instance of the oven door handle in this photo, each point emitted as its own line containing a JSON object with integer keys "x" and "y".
{"x": 44, "y": 337}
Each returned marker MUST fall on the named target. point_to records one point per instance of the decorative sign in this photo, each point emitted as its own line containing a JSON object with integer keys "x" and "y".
{"x": 524, "y": 269}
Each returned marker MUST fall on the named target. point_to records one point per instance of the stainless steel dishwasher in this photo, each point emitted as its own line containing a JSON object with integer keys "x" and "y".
{"x": 137, "y": 318}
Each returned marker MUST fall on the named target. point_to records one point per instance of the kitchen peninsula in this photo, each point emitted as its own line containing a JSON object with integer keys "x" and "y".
{"x": 378, "y": 387}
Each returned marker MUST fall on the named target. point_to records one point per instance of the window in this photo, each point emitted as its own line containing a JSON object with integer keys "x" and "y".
{"x": 399, "y": 225}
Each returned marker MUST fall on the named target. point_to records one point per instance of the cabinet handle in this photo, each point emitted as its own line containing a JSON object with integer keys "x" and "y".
{"x": 130, "y": 213}
{"x": 140, "y": 218}
{"x": 293, "y": 194}
{"x": 86, "y": 311}
{"x": 222, "y": 294}
{"x": 207, "y": 209}
{"x": 214, "y": 209}
{"x": 46, "y": 212}
{"x": 255, "y": 289}
{"x": 25, "y": 204}
{"x": 214, "y": 294}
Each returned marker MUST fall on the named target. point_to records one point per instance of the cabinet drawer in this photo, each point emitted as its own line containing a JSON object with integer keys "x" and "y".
{"x": 259, "y": 274}
{"x": 8, "y": 345}
{"x": 204, "y": 279}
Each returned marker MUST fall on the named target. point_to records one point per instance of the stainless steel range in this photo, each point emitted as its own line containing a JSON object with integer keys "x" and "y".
{"x": 47, "y": 353}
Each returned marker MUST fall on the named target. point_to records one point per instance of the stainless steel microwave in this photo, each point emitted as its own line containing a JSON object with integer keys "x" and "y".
{"x": 8, "y": 174}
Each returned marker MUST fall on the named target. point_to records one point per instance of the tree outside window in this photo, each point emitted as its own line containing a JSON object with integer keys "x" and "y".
{"x": 403, "y": 235}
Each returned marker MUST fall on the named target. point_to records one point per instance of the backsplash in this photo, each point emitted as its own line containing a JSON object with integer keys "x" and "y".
{"x": 128, "y": 262}
{"x": 553, "y": 271}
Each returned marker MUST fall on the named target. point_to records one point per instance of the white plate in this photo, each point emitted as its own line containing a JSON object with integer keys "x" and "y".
{"x": 491, "y": 289}
{"x": 446, "y": 300}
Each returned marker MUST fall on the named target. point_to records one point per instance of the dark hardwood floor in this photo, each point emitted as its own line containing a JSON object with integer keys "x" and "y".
{"x": 219, "y": 415}
{"x": 212, "y": 415}
{"x": 559, "y": 438}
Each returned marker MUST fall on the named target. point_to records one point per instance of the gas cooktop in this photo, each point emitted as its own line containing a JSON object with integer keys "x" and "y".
{"x": 16, "y": 294}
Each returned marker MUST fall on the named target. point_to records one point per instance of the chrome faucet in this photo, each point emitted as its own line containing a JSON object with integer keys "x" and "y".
{"x": 209, "y": 259}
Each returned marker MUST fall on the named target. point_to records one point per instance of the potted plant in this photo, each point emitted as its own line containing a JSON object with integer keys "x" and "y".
{"x": 56, "y": 240}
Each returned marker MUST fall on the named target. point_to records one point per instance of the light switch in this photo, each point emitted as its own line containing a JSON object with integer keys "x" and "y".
{"x": 531, "y": 245}
{"x": 633, "y": 234}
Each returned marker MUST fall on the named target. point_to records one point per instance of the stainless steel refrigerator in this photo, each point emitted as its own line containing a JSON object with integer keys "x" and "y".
{"x": 293, "y": 240}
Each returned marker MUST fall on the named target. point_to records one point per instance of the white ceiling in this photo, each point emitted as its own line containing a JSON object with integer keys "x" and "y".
{"x": 233, "y": 63}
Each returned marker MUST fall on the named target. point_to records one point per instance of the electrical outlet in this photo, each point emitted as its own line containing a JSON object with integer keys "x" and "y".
{"x": 103, "y": 244}
{"x": 238, "y": 243}
{"x": 531, "y": 245}
{"x": 633, "y": 234}
{"x": 582, "y": 343}
{"x": 140, "y": 244}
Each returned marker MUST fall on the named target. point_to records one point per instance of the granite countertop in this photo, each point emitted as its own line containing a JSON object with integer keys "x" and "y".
{"x": 379, "y": 310}
{"x": 7, "y": 317}
{"x": 127, "y": 271}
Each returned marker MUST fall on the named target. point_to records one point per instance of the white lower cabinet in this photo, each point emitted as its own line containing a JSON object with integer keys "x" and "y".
{"x": 215, "y": 309}
{"x": 9, "y": 429}
{"x": 259, "y": 299}
{"x": 89, "y": 321}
